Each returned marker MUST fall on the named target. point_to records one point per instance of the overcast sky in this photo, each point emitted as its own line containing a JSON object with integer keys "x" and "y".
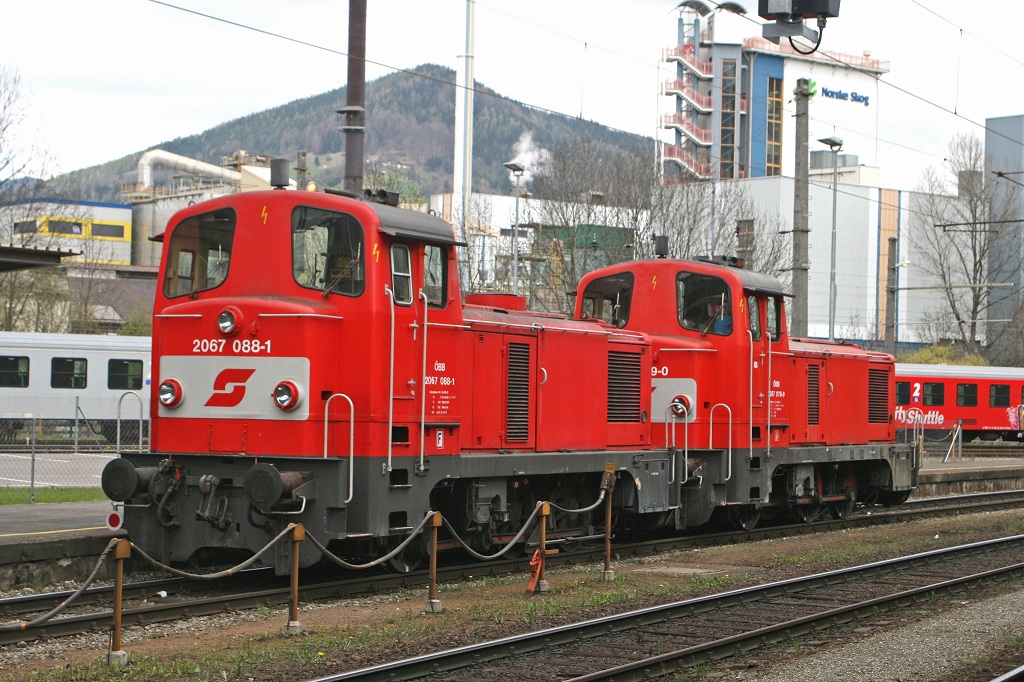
{"x": 106, "y": 78}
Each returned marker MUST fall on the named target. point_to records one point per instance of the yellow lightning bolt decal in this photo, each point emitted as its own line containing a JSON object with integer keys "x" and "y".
{"x": 654, "y": 282}
{"x": 741, "y": 305}
{"x": 264, "y": 214}
{"x": 376, "y": 253}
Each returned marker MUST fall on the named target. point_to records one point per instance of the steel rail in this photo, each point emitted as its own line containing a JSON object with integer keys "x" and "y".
{"x": 455, "y": 660}
{"x": 355, "y": 585}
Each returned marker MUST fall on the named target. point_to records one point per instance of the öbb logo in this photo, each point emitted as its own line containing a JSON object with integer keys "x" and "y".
{"x": 229, "y": 387}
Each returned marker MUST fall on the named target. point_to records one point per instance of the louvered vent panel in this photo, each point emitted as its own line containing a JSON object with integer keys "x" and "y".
{"x": 518, "y": 398}
{"x": 813, "y": 395}
{"x": 623, "y": 387}
{"x": 878, "y": 396}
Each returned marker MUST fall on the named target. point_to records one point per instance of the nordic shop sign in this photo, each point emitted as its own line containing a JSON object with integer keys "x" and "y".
{"x": 846, "y": 96}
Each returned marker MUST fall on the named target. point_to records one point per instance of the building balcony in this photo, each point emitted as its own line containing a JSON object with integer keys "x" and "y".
{"x": 688, "y": 162}
{"x": 702, "y": 103}
{"x": 680, "y": 122}
{"x": 684, "y": 54}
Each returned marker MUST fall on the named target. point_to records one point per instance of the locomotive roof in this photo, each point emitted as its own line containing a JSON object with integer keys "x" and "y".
{"x": 400, "y": 222}
{"x": 905, "y": 369}
{"x": 760, "y": 283}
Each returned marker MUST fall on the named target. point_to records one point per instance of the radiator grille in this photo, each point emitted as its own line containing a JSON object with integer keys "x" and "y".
{"x": 623, "y": 387}
{"x": 878, "y": 396}
{"x": 518, "y": 397}
{"x": 813, "y": 395}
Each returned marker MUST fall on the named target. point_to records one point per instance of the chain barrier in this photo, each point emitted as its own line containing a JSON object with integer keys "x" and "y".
{"x": 376, "y": 562}
{"x": 15, "y": 627}
{"x": 124, "y": 548}
{"x": 220, "y": 574}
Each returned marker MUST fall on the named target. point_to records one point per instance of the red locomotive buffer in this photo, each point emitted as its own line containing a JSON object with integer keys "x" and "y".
{"x": 314, "y": 362}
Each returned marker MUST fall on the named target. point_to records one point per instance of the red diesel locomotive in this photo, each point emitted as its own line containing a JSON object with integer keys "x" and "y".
{"x": 987, "y": 402}
{"x": 314, "y": 361}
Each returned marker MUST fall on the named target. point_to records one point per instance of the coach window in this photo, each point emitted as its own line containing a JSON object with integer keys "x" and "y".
{"x": 902, "y": 392}
{"x": 703, "y": 303}
{"x": 124, "y": 375}
{"x": 14, "y": 372}
{"x": 327, "y": 251}
{"x": 435, "y": 275}
{"x": 68, "y": 372}
{"x": 199, "y": 253}
{"x": 608, "y": 299}
{"x": 967, "y": 395}
{"x": 401, "y": 274}
{"x": 999, "y": 395}
{"x": 934, "y": 394}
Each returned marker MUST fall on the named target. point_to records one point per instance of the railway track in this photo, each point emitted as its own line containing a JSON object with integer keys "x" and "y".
{"x": 674, "y": 638}
{"x": 181, "y": 599}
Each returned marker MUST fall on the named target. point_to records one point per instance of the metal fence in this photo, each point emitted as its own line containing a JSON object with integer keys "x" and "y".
{"x": 64, "y": 452}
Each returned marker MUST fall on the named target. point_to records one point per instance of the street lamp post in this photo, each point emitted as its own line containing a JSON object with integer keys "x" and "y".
{"x": 517, "y": 171}
{"x": 835, "y": 144}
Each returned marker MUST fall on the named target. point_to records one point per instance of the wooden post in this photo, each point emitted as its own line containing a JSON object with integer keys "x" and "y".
{"x": 294, "y": 627}
{"x": 433, "y": 603}
{"x": 609, "y": 485}
{"x": 545, "y": 512}
{"x": 122, "y": 551}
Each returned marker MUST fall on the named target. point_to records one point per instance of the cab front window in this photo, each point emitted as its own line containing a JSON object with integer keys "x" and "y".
{"x": 703, "y": 303}
{"x": 327, "y": 251}
{"x": 199, "y": 253}
{"x": 608, "y": 299}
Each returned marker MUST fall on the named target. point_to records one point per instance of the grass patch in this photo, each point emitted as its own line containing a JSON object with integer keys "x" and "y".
{"x": 50, "y": 495}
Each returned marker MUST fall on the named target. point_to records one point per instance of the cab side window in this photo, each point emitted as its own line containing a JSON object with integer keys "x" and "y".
{"x": 435, "y": 275}
{"x": 401, "y": 274}
{"x": 703, "y": 303}
{"x": 754, "y": 313}
{"x": 774, "y": 317}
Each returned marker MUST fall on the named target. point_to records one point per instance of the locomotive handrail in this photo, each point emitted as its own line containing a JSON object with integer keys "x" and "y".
{"x": 423, "y": 383}
{"x": 378, "y": 561}
{"x": 391, "y": 378}
{"x": 351, "y": 438}
{"x": 119, "y": 401}
{"x": 711, "y": 433}
{"x": 512, "y": 325}
{"x": 670, "y": 413}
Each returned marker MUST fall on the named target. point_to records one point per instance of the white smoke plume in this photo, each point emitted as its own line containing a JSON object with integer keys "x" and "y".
{"x": 531, "y": 157}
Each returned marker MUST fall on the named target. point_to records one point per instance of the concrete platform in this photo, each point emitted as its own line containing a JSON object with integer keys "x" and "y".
{"x": 44, "y": 542}
{"x": 969, "y": 475}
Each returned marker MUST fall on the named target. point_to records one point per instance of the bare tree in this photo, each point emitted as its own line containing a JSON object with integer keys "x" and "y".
{"x": 956, "y": 241}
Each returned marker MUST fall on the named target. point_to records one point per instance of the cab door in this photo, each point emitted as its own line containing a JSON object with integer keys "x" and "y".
{"x": 751, "y": 309}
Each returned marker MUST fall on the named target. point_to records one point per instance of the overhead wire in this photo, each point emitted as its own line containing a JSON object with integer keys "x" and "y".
{"x": 500, "y": 97}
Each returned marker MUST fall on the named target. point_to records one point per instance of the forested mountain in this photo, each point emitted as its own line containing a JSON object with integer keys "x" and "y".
{"x": 410, "y": 125}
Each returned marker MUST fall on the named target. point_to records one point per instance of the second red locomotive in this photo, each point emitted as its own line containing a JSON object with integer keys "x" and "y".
{"x": 315, "y": 361}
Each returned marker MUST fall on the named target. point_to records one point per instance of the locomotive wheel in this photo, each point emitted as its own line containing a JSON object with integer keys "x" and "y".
{"x": 745, "y": 516}
{"x": 890, "y": 498}
{"x": 409, "y": 559}
{"x": 807, "y": 513}
{"x": 842, "y": 510}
